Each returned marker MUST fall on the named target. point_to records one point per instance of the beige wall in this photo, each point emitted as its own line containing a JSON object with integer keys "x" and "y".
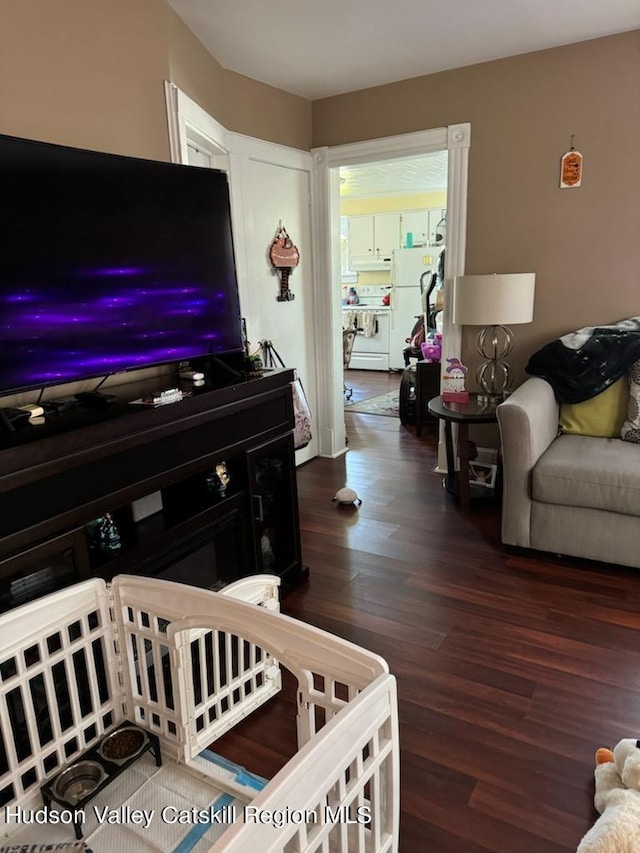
{"x": 239, "y": 103}
{"x": 85, "y": 74}
{"x": 91, "y": 74}
{"x": 583, "y": 243}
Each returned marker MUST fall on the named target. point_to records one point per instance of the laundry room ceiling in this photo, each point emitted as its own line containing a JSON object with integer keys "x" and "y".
{"x": 320, "y": 49}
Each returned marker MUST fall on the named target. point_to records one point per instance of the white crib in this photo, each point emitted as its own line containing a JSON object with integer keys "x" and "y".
{"x": 186, "y": 665}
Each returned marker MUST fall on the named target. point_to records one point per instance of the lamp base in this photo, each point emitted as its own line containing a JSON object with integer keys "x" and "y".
{"x": 494, "y": 375}
{"x": 491, "y": 399}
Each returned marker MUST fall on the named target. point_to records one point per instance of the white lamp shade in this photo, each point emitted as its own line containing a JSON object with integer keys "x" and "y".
{"x": 493, "y": 300}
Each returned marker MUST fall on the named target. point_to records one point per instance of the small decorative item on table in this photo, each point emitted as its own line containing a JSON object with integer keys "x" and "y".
{"x": 103, "y": 534}
{"x": 453, "y": 390}
{"x": 253, "y": 365}
{"x": 219, "y": 479}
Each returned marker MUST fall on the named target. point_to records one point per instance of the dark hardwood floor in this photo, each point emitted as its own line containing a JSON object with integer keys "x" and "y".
{"x": 511, "y": 669}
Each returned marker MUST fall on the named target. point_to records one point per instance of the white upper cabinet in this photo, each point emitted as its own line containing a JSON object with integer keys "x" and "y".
{"x": 386, "y": 233}
{"x": 373, "y": 237}
{"x": 423, "y": 226}
{"x": 436, "y": 227}
{"x": 361, "y": 236}
{"x": 416, "y": 223}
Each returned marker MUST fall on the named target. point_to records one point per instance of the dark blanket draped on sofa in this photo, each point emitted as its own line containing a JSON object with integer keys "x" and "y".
{"x": 582, "y": 364}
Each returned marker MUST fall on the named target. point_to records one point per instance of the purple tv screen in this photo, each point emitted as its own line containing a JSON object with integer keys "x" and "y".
{"x": 110, "y": 263}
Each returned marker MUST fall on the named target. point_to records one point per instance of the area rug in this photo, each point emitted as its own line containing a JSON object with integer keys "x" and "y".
{"x": 386, "y": 404}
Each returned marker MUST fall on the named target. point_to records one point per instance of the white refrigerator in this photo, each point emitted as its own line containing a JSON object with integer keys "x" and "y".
{"x": 407, "y": 267}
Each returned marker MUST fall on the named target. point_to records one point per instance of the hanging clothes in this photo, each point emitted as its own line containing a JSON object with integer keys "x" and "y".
{"x": 349, "y": 319}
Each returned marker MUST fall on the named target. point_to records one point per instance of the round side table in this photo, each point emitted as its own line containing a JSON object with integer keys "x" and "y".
{"x": 462, "y": 414}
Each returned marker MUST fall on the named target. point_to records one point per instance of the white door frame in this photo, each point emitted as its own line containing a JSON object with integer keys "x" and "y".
{"x": 188, "y": 122}
{"x": 325, "y": 197}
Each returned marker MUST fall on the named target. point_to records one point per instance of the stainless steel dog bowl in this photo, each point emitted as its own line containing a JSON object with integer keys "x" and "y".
{"x": 78, "y": 781}
{"x": 123, "y": 744}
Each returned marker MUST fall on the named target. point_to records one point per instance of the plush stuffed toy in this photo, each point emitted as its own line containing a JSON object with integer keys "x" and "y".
{"x": 617, "y": 798}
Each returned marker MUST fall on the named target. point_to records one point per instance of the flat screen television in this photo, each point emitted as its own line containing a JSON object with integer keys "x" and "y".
{"x": 110, "y": 263}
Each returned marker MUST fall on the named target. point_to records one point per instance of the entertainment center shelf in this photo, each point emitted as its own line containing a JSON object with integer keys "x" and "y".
{"x": 68, "y": 490}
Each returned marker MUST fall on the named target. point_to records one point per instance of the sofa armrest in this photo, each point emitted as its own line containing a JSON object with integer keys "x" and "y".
{"x": 528, "y": 422}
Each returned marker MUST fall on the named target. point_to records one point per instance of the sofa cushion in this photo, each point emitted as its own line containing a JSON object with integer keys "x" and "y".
{"x": 601, "y": 416}
{"x": 600, "y": 473}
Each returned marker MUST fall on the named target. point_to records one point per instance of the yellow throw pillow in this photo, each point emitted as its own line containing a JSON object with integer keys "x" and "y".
{"x": 601, "y": 416}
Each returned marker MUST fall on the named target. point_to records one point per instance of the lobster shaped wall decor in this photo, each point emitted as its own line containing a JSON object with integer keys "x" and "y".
{"x": 284, "y": 257}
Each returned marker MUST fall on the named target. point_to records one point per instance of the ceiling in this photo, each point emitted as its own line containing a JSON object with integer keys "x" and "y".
{"x": 395, "y": 177}
{"x": 320, "y": 49}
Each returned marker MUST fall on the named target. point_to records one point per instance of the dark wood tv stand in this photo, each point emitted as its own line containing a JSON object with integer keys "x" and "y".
{"x": 56, "y": 483}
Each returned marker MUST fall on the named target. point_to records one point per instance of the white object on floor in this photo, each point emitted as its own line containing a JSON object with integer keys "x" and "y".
{"x": 347, "y": 496}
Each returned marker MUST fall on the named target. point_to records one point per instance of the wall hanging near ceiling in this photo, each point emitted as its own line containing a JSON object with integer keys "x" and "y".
{"x": 571, "y": 167}
{"x": 284, "y": 257}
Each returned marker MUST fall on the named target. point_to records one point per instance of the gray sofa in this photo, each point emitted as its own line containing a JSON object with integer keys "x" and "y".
{"x": 567, "y": 494}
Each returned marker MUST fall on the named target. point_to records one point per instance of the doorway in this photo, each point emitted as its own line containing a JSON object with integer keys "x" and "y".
{"x": 455, "y": 140}
{"x": 392, "y": 216}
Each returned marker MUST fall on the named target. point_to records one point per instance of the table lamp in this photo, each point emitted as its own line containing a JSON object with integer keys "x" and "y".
{"x": 493, "y": 301}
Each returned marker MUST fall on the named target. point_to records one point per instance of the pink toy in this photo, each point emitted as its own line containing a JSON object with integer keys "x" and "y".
{"x": 431, "y": 351}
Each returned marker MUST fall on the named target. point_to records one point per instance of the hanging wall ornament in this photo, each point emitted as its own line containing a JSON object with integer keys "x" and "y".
{"x": 571, "y": 167}
{"x": 284, "y": 257}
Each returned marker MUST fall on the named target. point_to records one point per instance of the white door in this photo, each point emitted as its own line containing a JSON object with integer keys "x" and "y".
{"x": 273, "y": 184}
{"x": 269, "y": 185}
